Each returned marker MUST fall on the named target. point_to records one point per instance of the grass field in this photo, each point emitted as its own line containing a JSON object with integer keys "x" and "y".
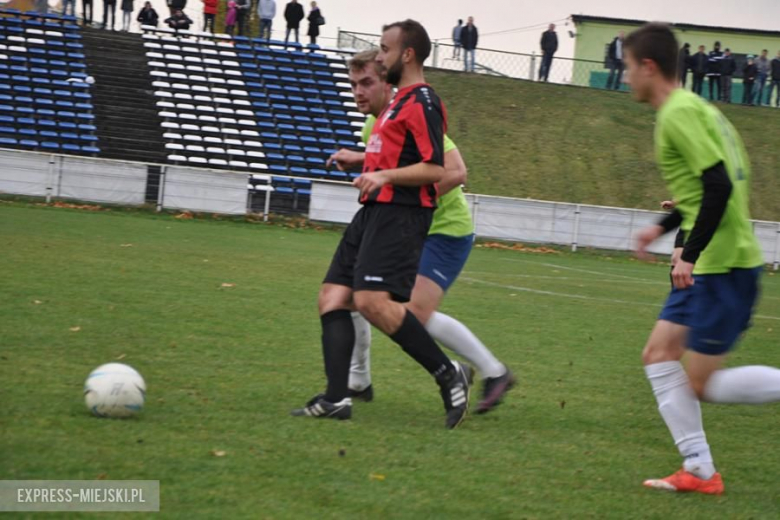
{"x": 548, "y": 142}
{"x": 224, "y": 365}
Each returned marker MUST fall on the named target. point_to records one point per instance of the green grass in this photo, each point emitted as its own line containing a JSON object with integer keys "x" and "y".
{"x": 549, "y": 142}
{"x": 225, "y": 365}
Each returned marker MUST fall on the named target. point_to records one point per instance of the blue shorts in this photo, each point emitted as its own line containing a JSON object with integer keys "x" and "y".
{"x": 718, "y": 309}
{"x": 443, "y": 258}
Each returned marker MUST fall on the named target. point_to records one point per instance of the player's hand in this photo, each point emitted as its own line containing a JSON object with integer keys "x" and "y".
{"x": 345, "y": 159}
{"x": 368, "y": 183}
{"x": 668, "y": 205}
{"x": 646, "y": 237}
{"x": 676, "y": 254}
{"x": 682, "y": 274}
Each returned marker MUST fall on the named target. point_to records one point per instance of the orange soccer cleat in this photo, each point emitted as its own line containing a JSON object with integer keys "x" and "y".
{"x": 684, "y": 482}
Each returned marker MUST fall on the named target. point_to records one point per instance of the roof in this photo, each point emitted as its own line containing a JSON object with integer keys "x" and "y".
{"x": 580, "y": 18}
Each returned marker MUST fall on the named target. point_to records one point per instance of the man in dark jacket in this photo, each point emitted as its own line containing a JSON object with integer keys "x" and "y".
{"x": 713, "y": 71}
{"x": 683, "y": 63}
{"x": 749, "y": 74}
{"x": 615, "y": 55}
{"x": 549, "y": 46}
{"x": 699, "y": 64}
{"x": 109, "y": 9}
{"x": 293, "y": 14}
{"x": 242, "y": 14}
{"x": 775, "y": 81}
{"x": 727, "y": 69}
{"x": 179, "y": 21}
{"x": 469, "y": 37}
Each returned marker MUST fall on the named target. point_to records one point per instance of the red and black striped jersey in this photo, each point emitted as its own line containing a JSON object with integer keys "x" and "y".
{"x": 409, "y": 131}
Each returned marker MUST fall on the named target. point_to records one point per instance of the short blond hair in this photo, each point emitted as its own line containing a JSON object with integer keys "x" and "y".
{"x": 362, "y": 60}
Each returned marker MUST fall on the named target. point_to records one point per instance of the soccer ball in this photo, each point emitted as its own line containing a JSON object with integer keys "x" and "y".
{"x": 114, "y": 390}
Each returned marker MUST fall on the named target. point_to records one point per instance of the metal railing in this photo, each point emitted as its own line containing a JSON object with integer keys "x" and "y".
{"x": 446, "y": 56}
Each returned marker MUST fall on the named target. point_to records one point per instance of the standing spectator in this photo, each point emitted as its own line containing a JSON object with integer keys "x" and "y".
{"x": 549, "y": 46}
{"x": 762, "y": 63}
{"x": 41, "y": 6}
{"x": 727, "y": 68}
{"x": 699, "y": 65}
{"x": 148, "y": 16}
{"x": 615, "y": 55}
{"x": 266, "y": 11}
{"x": 179, "y": 21}
{"x": 315, "y": 20}
{"x": 713, "y": 71}
{"x": 469, "y": 38}
{"x": 293, "y": 14}
{"x": 127, "y": 14}
{"x": 86, "y": 18}
{"x": 775, "y": 81}
{"x": 242, "y": 12}
{"x": 684, "y": 62}
{"x": 749, "y": 74}
{"x": 109, "y": 8}
{"x": 456, "y": 40}
{"x": 65, "y": 4}
{"x": 230, "y": 17}
{"x": 209, "y": 15}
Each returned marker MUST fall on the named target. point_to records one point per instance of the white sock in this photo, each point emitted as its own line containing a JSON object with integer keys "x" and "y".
{"x": 681, "y": 411}
{"x": 744, "y": 385}
{"x": 360, "y": 368}
{"x": 457, "y": 337}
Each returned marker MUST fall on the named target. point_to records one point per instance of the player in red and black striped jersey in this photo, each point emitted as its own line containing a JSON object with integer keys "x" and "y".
{"x": 375, "y": 265}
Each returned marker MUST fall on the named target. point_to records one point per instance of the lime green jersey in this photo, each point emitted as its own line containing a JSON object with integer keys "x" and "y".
{"x": 452, "y": 217}
{"x": 692, "y": 136}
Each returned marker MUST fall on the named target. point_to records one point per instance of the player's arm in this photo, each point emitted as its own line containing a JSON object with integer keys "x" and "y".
{"x": 455, "y": 172}
{"x": 717, "y": 190}
{"x": 419, "y": 174}
{"x": 346, "y": 159}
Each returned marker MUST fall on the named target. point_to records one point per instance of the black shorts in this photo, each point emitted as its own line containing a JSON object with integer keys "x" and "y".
{"x": 381, "y": 249}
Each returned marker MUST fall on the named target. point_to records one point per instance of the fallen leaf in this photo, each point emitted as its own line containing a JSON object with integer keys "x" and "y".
{"x": 228, "y": 285}
{"x": 218, "y": 453}
{"x": 184, "y": 216}
{"x": 376, "y": 476}
{"x": 121, "y": 356}
{"x": 563, "y": 403}
{"x": 102, "y": 476}
{"x": 37, "y": 302}
{"x": 342, "y": 452}
{"x": 75, "y": 329}
{"x": 125, "y": 245}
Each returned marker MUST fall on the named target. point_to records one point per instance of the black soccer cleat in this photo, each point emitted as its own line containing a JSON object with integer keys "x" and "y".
{"x": 366, "y": 395}
{"x": 455, "y": 390}
{"x": 319, "y": 408}
{"x": 494, "y": 391}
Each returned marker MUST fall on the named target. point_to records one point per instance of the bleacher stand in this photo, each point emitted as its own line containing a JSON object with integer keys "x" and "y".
{"x": 45, "y": 103}
{"x": 253, "y": 105}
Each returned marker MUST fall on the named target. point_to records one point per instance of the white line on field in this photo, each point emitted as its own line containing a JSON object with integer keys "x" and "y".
{"x": 578, "y": 296}
{"x": 581, "y": 280}
{"x": 586, "y": 271}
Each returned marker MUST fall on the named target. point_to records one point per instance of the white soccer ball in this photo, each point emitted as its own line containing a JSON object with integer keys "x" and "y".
{"x": 114, "y": 390}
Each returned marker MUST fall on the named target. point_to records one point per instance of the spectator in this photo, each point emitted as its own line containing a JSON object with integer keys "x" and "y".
{"x": 762, "y": 64}
{"x": 86, "y": 18}
{"x": 109, "y": 8}
{"x": 242, "y": 10}
{"x": 127, "y": 14}
{"x": 41, "y": 6}
{"x": 713, "y": 71}
{"x": 699, "y": 65}
{"x": 176, "y": 5}
{"x": 230, "y": 17}
{"x": 727, "y": 68}
{"x": 293, "y": 14}
{"x": 456, "y": 45}
{"x": 209, "y": 15}
{"x": 775, "y": 81}
{"x": 148, "y": 16}
{"x": 683, "y": 63}
{"x": 179, "y": 21}
{"x": 749, "y": 74}
{"x": 615, "y": 55}
{"x": 266, "y": 11}
{"x": 469, "y": 38}
{"x": 315, "y": 20}
{"x": 549, "y": 46}
{"x": 72, "y": 4}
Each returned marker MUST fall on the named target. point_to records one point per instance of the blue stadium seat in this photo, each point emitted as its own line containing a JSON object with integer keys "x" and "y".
{"x": 31, "y": 143}
{"x": 71, "y": 147}
{"x": 8, "y": 141}
{"x": 48, "y": 145}
{"x": 90, "y": 149}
